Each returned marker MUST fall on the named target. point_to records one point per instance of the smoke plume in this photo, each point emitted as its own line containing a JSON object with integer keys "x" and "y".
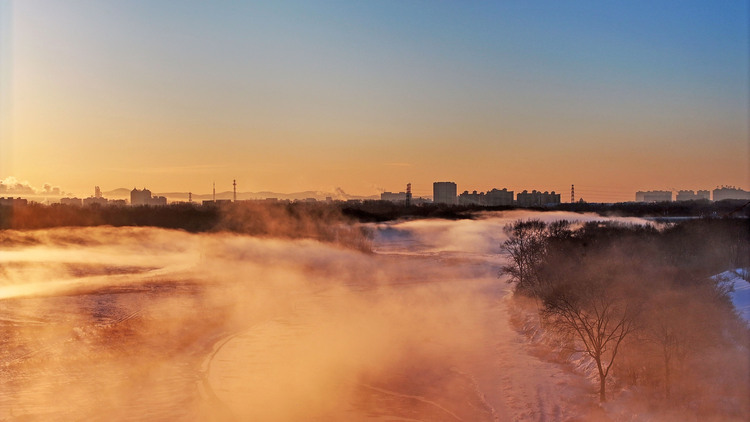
{"x": 12, "y": 186}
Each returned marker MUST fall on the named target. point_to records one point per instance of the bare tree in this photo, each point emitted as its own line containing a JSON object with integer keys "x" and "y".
{"x": 597, "y": 319}
{"x": 526, "y": 248}
{"x": 678, "y": 324}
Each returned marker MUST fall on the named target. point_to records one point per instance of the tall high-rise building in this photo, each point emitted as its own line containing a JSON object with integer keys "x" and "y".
{"x": 444, "y": 193}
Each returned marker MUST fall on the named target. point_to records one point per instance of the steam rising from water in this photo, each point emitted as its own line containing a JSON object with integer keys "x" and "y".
{"x": 150, "y": 324}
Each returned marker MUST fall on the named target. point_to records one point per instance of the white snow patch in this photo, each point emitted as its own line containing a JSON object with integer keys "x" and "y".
{"x": 736, "y": 281}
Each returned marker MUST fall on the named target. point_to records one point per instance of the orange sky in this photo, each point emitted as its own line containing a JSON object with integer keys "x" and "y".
{"x": 370, "y": 97}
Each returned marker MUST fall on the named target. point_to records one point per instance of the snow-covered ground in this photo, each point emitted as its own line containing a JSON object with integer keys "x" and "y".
{"x": 737, "y": 282}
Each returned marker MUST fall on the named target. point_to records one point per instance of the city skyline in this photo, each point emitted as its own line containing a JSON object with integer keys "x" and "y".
{"x": 365, "y": 97}
{"x": 442, "y": 192}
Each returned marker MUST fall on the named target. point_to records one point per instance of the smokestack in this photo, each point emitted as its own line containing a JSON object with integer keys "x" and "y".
{"x": 214, "y": 196}
{"x": 572, "y": 194}
{"x": 234, "y": 184}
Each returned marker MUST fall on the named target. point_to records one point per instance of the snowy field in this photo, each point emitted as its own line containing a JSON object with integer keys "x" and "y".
{"x": 149, "y": 324}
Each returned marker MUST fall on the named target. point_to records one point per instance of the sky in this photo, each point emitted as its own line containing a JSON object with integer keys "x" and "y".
{"x": 288, "y": 96}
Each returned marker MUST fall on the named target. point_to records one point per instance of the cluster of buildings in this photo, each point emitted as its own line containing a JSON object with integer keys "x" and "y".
{"x": 97, "y": 199}
{"x": 719, "y": 194}
{"x": 447, "y": 193}
{"x": 137, "y": 197}
{"x": 442, "y": 193}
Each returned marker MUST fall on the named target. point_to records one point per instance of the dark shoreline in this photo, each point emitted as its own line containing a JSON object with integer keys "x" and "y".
{"x": 245, "y": 217}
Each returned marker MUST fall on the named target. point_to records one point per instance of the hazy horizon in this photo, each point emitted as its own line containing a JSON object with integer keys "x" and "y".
{"x": 366, "y": 97}
{"x": 17, "y": 188}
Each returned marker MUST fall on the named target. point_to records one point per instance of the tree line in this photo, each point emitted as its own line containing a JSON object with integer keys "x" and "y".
{"x": 282, "y": 220}
{"x": 641, "y": 301}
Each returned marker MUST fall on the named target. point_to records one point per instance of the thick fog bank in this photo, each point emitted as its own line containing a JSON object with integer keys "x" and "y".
{"x": 123, "y": 324}
{"x": 150, "y": 324}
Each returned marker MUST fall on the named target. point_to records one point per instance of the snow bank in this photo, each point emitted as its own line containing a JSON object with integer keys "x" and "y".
{"x": 739, "y": 290}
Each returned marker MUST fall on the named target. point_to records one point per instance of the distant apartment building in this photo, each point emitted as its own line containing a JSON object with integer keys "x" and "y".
{"x": 217, "y": 203}
{"x": 13, "y": 202}
{"x": 492, "y": 198}
{"x": 444, "y": 193}
{"x": 730, "y": 192}
{"x": 77, "y": 202}
{"x": 472, "y": 198}
{"x": 653, "y": 196}
{"x": 688, "y": 195}
{"x": 94, "y": 200}
{"x": 497, "y": 197}
{"x": 159, "y": 201}
{"x": 537, "y": 198}
{"x": 143, "y": 197}
{"x": 396, "y": 197}
{"x": 140, "y": 197}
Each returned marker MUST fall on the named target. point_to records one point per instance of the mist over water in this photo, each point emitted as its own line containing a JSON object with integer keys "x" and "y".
{"x": 151, "y": 324}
